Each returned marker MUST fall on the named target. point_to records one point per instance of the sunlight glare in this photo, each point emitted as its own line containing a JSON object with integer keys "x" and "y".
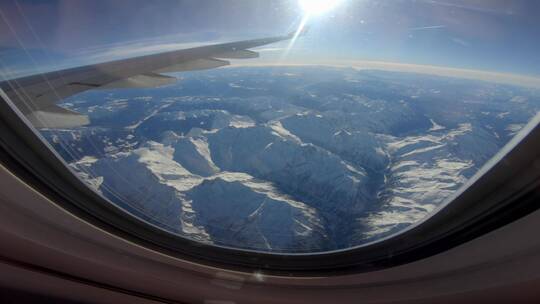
{"x": 310, "y": 8}
{"x": 317, "y": 6}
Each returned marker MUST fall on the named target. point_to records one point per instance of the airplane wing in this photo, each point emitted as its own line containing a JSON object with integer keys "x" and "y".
{"x": 36, "y": 96}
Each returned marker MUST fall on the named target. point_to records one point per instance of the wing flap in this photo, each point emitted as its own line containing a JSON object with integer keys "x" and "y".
{"x": 239, "y": 54}
{"x": 194, "y": 65}
{"x": 148, "y": 80}
{"x": 57, "y": 117}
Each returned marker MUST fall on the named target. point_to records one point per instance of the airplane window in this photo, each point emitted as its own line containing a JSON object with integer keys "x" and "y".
{"x": 352, "y": 122}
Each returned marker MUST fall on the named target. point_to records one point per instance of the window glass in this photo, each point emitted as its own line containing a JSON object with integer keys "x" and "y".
{"x": 363, "y": 123}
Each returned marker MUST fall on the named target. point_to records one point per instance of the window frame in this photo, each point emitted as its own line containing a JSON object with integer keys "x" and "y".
{"x": 504, "y": 190}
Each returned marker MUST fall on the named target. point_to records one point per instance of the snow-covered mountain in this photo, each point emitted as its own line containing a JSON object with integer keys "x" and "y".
{"x": 290, "y": 159}
{"x": 228, "y": 208}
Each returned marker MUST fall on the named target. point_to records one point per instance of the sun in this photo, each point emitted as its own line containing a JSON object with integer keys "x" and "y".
{"x": 315, "y": 7}
{"x": 310, "y": 8}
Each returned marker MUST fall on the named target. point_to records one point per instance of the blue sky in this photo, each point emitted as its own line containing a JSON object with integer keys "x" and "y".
{"x": 492, "y": 35}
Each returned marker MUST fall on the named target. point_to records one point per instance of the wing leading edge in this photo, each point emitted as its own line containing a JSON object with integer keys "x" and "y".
{"x": 36, "y": 96}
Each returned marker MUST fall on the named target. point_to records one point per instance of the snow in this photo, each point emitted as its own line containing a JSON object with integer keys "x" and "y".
{"x": 435, "y": 126}
{"x": 157, "y": 185}
{"x": 326, "y": 165}
{"x": 425, "y": 170}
